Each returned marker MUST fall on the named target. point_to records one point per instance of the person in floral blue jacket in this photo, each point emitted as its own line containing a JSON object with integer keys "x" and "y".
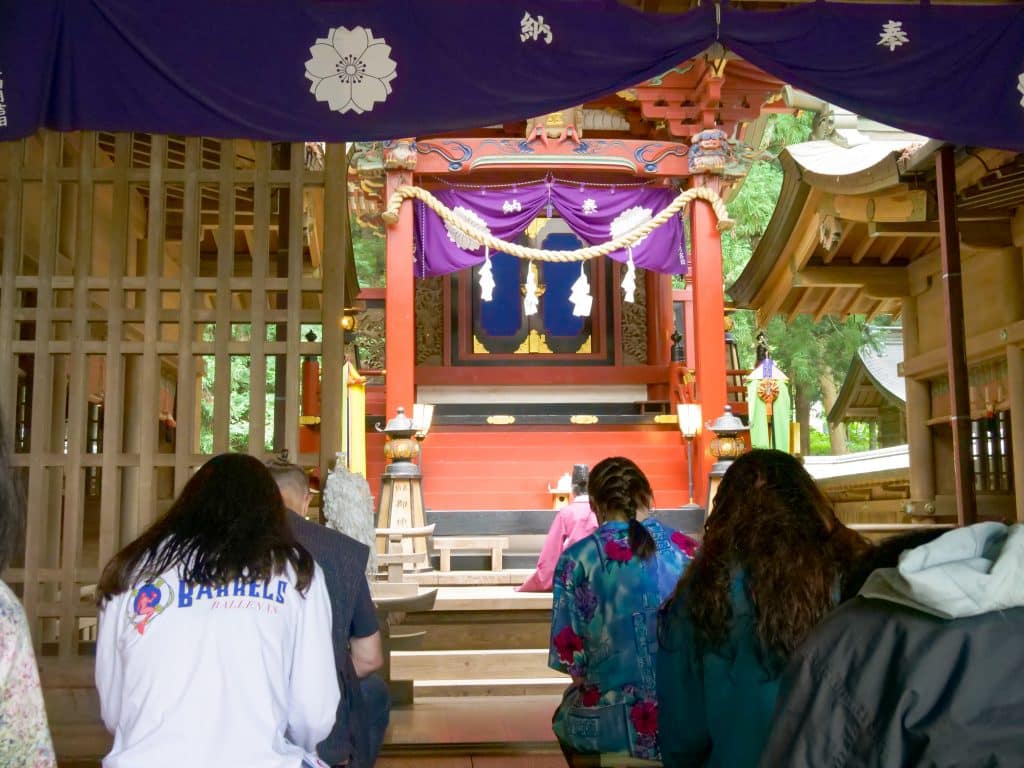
{"x": 607, "y": 591}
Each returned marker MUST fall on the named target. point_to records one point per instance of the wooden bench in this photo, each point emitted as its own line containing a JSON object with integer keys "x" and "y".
{"x": 397, "y": 555}
{"x": 525, "y": 529}
{"x": 496, "y": 544}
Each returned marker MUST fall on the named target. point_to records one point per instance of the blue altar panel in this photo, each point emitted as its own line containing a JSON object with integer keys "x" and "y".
{"x": 503, "y": 315}
{"x": 558, "y": 278}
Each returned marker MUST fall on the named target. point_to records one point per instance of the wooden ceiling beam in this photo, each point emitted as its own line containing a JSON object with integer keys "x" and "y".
{"x": 891, "y": 249}
{"x": 899, "y": 205}
{"x": 877, "y": 282}
{"x": 861, "y": 250}
{"x": 823, "y": 308}
{"x": 984, "y": 234}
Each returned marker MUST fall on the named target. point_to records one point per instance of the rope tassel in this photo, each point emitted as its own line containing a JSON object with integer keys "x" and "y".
{"x": 530, "y": 298}
{"x": 629, "y": 281}
{"x": 486, "y": 277}
{"x": 580, "y": 297}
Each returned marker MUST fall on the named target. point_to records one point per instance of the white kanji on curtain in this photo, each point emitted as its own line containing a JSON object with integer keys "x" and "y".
{"x": 892, "y": 35}
{"x": 532, "y": 28}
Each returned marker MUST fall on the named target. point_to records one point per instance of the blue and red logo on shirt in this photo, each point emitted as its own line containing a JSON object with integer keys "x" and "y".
{"x": 148, "y": 601}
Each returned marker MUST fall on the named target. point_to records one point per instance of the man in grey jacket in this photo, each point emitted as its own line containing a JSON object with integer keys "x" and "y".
{"x": 921, "y": 669}
{"x": 364, "y": 710}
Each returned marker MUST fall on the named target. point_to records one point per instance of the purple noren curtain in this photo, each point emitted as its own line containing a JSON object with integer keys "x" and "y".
{"x": 597, "y": 213}
{"x": 348, "y": 70}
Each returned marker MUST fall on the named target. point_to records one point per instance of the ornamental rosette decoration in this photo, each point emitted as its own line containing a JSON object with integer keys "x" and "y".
{"x": 471, "y": 219}
{"x": 628, "y": 220}
{"x": 350, "y": 70}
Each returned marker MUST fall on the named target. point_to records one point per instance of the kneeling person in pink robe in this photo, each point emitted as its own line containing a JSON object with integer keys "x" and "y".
{"x": 574, "y": 521}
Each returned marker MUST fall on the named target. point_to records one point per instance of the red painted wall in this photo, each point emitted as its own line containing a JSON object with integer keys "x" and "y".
{"x": 512, "y": 467}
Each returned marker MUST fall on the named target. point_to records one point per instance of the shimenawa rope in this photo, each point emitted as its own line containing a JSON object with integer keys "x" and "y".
{"x": 488, "y": 240}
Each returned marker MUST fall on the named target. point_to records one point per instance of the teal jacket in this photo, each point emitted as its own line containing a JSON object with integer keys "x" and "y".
{"x": 714, "y": 706}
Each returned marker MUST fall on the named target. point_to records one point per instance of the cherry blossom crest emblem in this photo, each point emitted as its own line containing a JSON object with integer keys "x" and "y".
{"x": 350, "y": 69}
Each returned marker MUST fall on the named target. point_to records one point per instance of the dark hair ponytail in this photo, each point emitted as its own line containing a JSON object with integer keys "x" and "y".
{"x": 617, "y": 484}
{"x": 640, "y": 539}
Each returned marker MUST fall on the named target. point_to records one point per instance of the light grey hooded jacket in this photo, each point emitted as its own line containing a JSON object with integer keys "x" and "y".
{"x": 966, "y": 572}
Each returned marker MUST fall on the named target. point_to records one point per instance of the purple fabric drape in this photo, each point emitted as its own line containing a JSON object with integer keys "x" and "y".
{"x": 596, "y": 213}
{"x": 245, "y": 68}
{"x": 945, "y": 72}
{"x": 346, "y": 70}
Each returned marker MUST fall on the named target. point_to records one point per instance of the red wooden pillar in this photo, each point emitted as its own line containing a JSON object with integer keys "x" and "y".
{"x": 400, "y": 328}
{"x": 660, "y": 324}
{"x": 708, "y": 353}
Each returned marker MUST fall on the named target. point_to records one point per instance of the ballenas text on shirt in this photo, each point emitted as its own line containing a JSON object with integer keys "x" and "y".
{"x": 188, "y": 593}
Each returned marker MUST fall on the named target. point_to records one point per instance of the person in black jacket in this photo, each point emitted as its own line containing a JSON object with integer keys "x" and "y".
{"x": 923, "y": 668}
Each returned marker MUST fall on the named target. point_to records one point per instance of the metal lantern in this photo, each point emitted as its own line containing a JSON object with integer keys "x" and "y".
{"x": 728, "y": 445}
{"x": 401, "y": 489}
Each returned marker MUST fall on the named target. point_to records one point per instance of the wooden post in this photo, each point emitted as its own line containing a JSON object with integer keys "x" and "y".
{"x": 709, "y": 320}
{"x": 919, "y": 410}
{"x": 956, "y": 356}
{"x": 225, "y": 239}
{"x": 336, "y": 233}
{"x": 12, "y": 156}
{"x": 296, "y": 209}
{"x": 258, "y": 335}
{"x": 399, "y": 323}
{"x": 1015, "y": 380}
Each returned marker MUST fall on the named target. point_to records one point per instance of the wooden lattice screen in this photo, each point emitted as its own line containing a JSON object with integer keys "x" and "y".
{"x": 143, "y": 278}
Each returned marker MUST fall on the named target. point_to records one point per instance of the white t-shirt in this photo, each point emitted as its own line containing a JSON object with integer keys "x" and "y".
{"x": 236, "y": 675}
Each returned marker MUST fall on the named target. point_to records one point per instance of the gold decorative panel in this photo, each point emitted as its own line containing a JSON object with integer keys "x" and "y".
{"x": 429, "y": 304}
{"x": 634, "y": 324}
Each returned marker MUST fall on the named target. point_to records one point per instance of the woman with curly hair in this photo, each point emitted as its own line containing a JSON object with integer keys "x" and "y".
{"x": 215, "y": 632}
{"x": 607, "y": 591}
{"x": 771, "y": 565}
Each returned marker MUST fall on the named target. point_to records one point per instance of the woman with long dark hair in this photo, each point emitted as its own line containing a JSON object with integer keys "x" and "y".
{"x": 771, "y": 565}
{"x": 24, "y": 733}
{"x": 607, "y": 591}
{"x": 215, "y": 632}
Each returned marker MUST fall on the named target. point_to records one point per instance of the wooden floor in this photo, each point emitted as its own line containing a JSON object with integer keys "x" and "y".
{"x": 473, "y": 732}
{"x": 463, "y": 732}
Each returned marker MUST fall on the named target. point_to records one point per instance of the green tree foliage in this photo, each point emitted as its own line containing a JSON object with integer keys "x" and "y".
{"x": 816, "y": 356}
{"x": 238, "y": 419}
{"x": 368, "y": 250}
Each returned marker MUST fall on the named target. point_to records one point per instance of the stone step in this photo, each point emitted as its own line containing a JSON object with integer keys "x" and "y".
{"x": 505, "y": 664}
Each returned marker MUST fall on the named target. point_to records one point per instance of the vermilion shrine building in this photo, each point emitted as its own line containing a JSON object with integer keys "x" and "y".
{"x": 150, "y": 279}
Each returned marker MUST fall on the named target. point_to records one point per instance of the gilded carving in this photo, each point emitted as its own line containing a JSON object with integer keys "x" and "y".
{"x": 709, "y": 151}
{"x": 429, "y": 312}
{"x": 369, "y": 339}
{"x": 565, "y": 125}
{"x": 400, "y": 154}
{"x": 583, "y": 418}
{"x": 501, "y": 419}
{"x": 634, "y": 325}
{"x": 535, "y": 343}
